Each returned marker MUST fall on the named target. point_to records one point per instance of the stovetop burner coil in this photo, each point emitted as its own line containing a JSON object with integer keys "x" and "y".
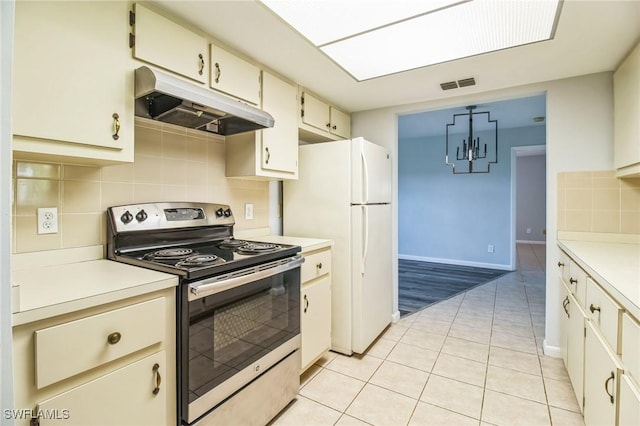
{"x": 232, "y": 244}
{"x": 169, "y": 254}
{"x": 200, "y": 260}
{"x": 257, "y": 248}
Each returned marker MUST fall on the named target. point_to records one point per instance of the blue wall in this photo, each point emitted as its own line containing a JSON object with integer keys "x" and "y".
{"x": 531, "y": 203}
{"x": 453, "y": 218}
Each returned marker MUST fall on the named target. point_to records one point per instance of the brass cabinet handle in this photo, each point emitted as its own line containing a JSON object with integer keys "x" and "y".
{"x": 268, "y": 155}
{"x": 306, "y": 303}
{"x": 566, "y": 303}
{"x": 606, "y": 386}
{"x": 116, "y": 126}
{"x": 156, "y": 371}
{"x": 328, "y": 125}
{"x": 201, "y": 69}
{"x": 572, "y": 280}
{"x": 593, "y": 308}
{"x": 114, "y": 338}
{"x": 319, "y": 265}
{"x": 560, "y": 264}
{"x": 334, "y": 127}
{"x": 218, "y": 73}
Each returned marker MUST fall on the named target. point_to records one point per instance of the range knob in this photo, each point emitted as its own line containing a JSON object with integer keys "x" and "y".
{"x": 227, "y": 213}
{"x": 220, "y": 212}
{"x": 126, "y": 217}
{"x": 141, "y": 216}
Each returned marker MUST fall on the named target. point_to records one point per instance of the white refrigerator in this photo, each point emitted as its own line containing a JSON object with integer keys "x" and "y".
{"x": 343, "y": 193}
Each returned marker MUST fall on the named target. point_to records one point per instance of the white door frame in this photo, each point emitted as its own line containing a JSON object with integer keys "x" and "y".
{"x": 519, "y": 151}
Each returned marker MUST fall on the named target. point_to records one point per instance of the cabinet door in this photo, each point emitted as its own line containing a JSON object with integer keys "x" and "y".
{"x": 72, "y": 73}
{"x": 564, "y": 321}
{"x": 575, "y": 348}
{"x": 126, "y": 396}
{"x": 340, "y": 123}
{"x": 280, "y": 143}
{"x": 626, "y": 97}
{"x": 629, "y": 403}
{"x": 235, "y": 76}
{"x": 600, "y": 381}
{"x": 166, "y": 44}
{"x": 315, "y": 320}
{"x": 315, "y": 112}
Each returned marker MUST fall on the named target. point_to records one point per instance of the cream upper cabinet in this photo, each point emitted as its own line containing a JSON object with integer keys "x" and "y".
{"x": 626, "y": 96}
{"x": 234, "y": 76}
{"x": 269, "y": 153}
{"x": 160, "y": 41}
{"x": 320, "y": 121}
{"x": 72, "y": 82}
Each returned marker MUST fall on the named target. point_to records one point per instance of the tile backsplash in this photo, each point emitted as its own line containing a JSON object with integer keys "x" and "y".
{"x": 171, "y": 164}
{"x": 598, "y": 202}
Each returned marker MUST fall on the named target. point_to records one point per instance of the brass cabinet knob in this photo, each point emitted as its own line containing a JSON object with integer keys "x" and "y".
{"x": 114, "y": 338}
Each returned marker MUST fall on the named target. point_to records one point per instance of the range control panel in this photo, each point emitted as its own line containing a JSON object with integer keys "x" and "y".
{"x": 150, "y": 216}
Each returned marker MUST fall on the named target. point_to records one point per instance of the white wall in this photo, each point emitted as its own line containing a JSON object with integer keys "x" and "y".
{"x": 579, "y": 137}
{"x": 6, "y": 49}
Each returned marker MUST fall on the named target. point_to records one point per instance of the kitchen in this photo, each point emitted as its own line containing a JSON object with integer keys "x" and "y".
{"x": 94, "y": 188}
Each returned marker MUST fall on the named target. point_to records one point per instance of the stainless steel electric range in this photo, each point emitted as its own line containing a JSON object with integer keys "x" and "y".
{"x": 238, "y": 301}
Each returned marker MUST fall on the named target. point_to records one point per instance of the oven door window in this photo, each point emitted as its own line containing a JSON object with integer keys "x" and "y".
{"x": 229, "y": 331}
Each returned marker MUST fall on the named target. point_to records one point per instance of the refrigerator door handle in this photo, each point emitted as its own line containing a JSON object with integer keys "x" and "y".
{"x": 365, "y": 181}
{"x": 365, "y": 215}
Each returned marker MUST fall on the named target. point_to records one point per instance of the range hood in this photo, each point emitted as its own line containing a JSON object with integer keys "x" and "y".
{"x": 169, "y": 99}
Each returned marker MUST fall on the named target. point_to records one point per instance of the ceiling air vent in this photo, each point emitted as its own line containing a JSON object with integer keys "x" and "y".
{"x": 467, "y": 82}
{"x": 449, "y": 85}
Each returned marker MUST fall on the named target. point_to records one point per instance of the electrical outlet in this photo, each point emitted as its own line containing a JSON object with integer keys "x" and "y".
{"x": 47, "y": 220}
{"x": 248, "y": 211}
{"x": 490, "y": 248}
{"x": 528, "y": 230}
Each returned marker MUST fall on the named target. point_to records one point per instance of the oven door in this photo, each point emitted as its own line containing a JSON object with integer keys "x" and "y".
{"x": 233, "y": 328}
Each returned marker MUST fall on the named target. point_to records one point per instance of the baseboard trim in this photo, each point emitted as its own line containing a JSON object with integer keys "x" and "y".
{"x": 455, "y": 262}
{"x": 552, "y": 351}
{"x": 530, "y": 242}
{"x": 395, "y": 317}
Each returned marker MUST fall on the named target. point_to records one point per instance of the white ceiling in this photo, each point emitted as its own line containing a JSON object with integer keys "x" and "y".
{"x": 592, "y": 36}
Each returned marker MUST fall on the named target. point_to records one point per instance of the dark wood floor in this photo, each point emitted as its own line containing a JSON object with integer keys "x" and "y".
{"x": 424, "y": 283}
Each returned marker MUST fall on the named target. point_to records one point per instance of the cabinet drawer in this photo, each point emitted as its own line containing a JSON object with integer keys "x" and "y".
{"x": 577, "y": 282}
{"x": 67, "y": 349}
{"x": 564, "y": 263}
{"x": 604, "y": 312}
{"x": 123, "y": 397}
{"x": 630, "y": 348}
{"x": 315, "y": 265}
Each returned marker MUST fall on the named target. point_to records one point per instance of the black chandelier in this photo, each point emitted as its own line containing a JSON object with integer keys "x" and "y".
{"x": 474, "y": 156}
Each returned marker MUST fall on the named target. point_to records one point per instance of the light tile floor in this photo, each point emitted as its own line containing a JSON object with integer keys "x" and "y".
{"x": 474, "y": 359}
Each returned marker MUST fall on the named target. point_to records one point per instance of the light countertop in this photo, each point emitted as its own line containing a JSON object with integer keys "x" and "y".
{"x": 615, "y": 265}
{"x": 51, "y": 288}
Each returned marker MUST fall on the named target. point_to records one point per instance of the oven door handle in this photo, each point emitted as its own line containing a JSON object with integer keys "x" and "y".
{"x": 205, "y": 288}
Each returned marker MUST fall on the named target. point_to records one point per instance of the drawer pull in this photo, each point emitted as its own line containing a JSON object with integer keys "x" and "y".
{"x": 560, "y": 264}
{"x": 573, "y": 280}
{"x": 116, "y": 126}
{"x": 319, "y": 265}
{"x": 201, "y": 64}
{"x": 565, "y": 303}
{"x": 114, "y": 338}
{"x": 606, "y": 386}
{"x": 306, "y": 303}
{"x": 593, "y": 308}
{"x": 156, "y": 371}
{"x": 218, "y": 73}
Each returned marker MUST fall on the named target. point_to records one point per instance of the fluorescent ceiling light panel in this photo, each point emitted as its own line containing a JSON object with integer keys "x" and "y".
{"x": 388, "y": 37}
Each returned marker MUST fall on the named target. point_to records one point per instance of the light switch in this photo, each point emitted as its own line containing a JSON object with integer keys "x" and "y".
{"x": 248, "y": 211}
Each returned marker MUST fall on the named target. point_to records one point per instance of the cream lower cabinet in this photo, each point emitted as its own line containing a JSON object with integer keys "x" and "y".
{"x": 601, "y": 378}
{"x": 269, "y": 153}
{"x": 109, "y": 365}
{"x": 72, "y": 94}
{"x": 600, "y": 342}
{"x": 629, "y": 396}
{"x": 315, "y": 309}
